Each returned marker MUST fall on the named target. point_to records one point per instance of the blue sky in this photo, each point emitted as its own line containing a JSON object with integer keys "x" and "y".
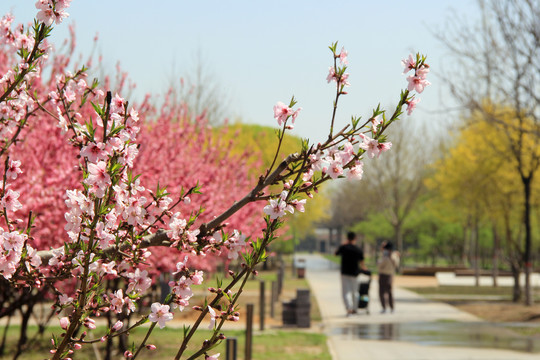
{"x": 261, "y": 52}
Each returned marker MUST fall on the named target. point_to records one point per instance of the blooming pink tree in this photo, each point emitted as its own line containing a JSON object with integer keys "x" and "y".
{"x": 115, "y": 219}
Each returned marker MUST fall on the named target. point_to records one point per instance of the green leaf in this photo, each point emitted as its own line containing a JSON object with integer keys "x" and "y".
{"x": 98, "y": 110}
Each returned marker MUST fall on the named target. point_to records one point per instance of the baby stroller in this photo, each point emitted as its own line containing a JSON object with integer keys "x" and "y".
{"x": 363, "y": 290}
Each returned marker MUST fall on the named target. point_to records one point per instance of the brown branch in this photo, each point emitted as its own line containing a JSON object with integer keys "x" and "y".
{"x": 160, "y": 238}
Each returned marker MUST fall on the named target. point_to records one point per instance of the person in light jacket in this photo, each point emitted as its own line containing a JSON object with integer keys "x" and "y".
{"x": 386, "y": 267}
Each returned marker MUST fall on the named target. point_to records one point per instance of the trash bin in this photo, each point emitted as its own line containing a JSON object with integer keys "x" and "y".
{"x": 288, "y": 312}
{"x": 301, "y": 268}
{"x": 303, "y": 308}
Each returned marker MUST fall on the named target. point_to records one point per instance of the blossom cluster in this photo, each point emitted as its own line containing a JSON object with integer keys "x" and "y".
{"x": 417, "y": 81}
{"x": 337, "y": 73}
{"x": 282, "y": 112}
{"x": 341, "y": 156}
{"x": 52, "y": 11}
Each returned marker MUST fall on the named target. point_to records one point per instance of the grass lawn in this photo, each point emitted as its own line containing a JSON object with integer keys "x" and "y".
{"x": 463, "y": 290}
{"x": 272, "y": 344}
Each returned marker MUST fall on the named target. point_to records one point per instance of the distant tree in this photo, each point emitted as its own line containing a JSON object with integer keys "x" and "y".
{"x": 474, "y": 176}
{"x": 395, "y": 181}
{"x": 200, "y": 90}
{"x": 498, "y": 58}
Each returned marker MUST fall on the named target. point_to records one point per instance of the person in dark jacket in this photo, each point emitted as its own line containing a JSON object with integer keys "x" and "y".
{"x": 352, "y": 260}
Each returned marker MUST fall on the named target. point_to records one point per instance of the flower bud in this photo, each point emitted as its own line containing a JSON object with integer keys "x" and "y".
{"x": 64, "y": 323}
{"x": 151, "y": 347}
{"x": 117, "y": 326}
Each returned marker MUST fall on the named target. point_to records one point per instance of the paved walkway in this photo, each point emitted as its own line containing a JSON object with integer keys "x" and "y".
{"x": 373, "y": 336}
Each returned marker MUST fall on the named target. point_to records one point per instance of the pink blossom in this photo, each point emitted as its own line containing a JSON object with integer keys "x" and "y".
{"x": 384, "y": 147}
{"x": 299, "y": 204}
{"x": 25, "y": 41}
{"x": 295, "y": 114}
{"x": 177, "y": 226}
{"x": 10, "y": 202}
{"x": 376, "y": 121}
{"x": 308, "y": 175}
{"x": 69, "y": 94}
{"x": 235, "y": 243}
{"x": 13, "y": 241}
{"x": 275, "y": 209}
{"x": 160, "y": 314}
{"x": 282, "y": 112}
{"x": 129, "y": 154}
{"x": 343, "y": 56}
{"x": 212, "y": 357}
{"x": 357, "y": 171}
{"x": 117, "y": 301}
{"x": 181, "y": 266}
{"x": 422, "y": 71}
{"x": 94, "y": 152}
{"x": 106, "y": 239}
{"x": 334, "y": 169}
{"x": 117, "y": 103}
{"x": 213, "y": 317}
{"x": 197, "y": 277}
{"x": 64, "y": 299}
{"x": 370, "y": 145}
{"x": 408, "y": 64}
{"x": 32, "y": 254}
{"x": 331, "y": 74}
{"x": 130, "y": 305}
{"x": 417, "y": 83}
{"x": 62, "y": 122}
{"x": 182, "y": 288}
{"x": 138, "y": 281}
{"x": 348, "y": 153}
{"x": 411, "y": 105}
{"x": 98, "y": 176}
{"x": 13, "y": 169}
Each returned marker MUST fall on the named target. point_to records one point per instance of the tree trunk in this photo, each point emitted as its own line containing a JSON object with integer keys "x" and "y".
{"x": 527, "y": 252}
{"x": 399, "y": 236}
{"x": 3, "y": 345}
{"x": 495, "y": 264}
{"x": 23, "y": 336}
{"x": 516, "y": 293}
{"x": 475, "y": 248}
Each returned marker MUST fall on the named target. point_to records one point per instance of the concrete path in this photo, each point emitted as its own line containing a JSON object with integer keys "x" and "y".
{"x": 373, "y": 336}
